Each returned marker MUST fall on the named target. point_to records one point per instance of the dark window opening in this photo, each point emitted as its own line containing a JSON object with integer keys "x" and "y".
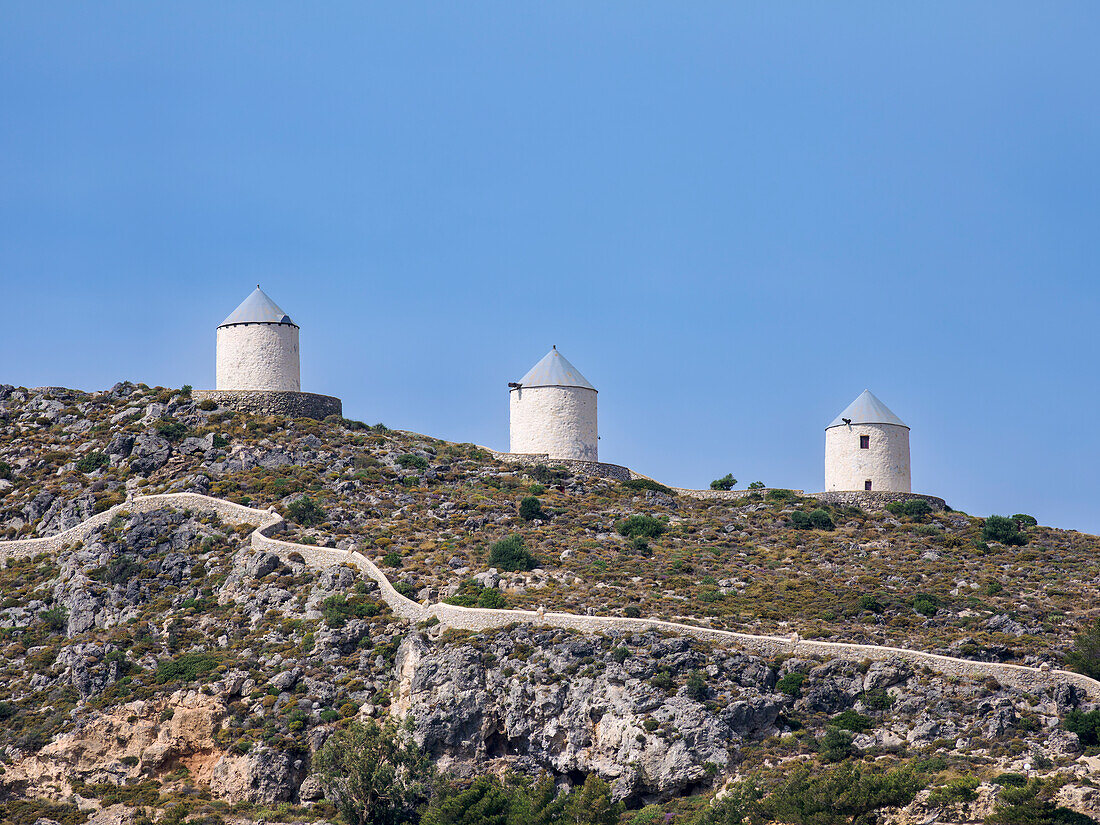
{"x": 867, "y": 484}
{"x": 865, "y": 444}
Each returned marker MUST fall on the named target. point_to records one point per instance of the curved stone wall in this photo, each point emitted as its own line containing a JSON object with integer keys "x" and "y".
{"x": 557, "y": 421}
{"x": 474, "y": 618}
{"x": 274, "y": 402}
{"x": 885, "y": 463}
{"x": 258, "y": 357}
{"x": 876, "y": 501}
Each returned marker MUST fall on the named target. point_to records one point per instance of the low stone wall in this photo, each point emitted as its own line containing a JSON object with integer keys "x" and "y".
{"x": 274, "y": 402}
{"x": 875, "y": 500}
{"x": 598, "y": 469}
{"x": 477, "y": 619}
{"x": 729, "y": 495}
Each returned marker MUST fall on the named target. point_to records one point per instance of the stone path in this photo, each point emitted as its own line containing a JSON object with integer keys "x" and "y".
{"x": 473, "y": 618}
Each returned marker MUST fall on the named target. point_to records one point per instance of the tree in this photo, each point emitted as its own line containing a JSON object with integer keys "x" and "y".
{"x": 960, "y": 791}
{"x": 305, "y": 511}
{"x": 1085, "y": 656}
{"x": 592, "y": 804}
{"x": 1003, "y": 530}
{"x": 726, "y": 482}
{"x": 739, "y": 804}
{"x": 756, "y": 485}
{"x": 374, "y": 774}
{"x": 530, "y": 508}
{"x": 510, "y": 554}
{"x": 1027, "y": 805}
{"x": 846, "y": 795}
{"x": 538, "y": 804}
{"x": 485, "y": 802}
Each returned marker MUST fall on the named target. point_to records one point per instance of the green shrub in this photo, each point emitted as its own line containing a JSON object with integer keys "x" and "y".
{"x": 869, "y": 603}
{"x": 814, "y": 520}
{"x": 781, "y": 495}
{"x": 186, "y": 668}
{"x": 640, "y": 525}
{"x": 305, "y": 511}
{"x": 850, "y": 720}
{"x": 117, "y": 571}
{"x": 916, "y": 508}
{"x": 756, "y": 485}
{"x": 207, "y": 405}
{"x": 510, "y": 554}
{"x": 926, "y": 605}
{"x": 90, "y": 462}
{"x": 877, "y": 699}
{"x": 835, "y": 745}
{"x": 391, "y": 559}
{"x": 648, "y": 484}
{"x": 493, "y": 599}
{"x": 726, "y": 482}
{"x": 337, "y": 609}
{"x": 791, "y": 684}
{"x": 1003, "y": 530}
{"x": 632, "y": 611}
{"x": 5, "y": 471}
{"x": 1086, "y": 724}
{"x": 1024, "y": 521}
{"x": 530, "y": 508}
{"x": 406, "y": 589}
{"x": 171, "y": 430}
{"x": 961, "y": 790}
{"x": 548, "y": 475}
{"x": 219, "y": 441}
{"x": 620, "y": 654}
{"x": 696, "y": 686}
{"x": 410, "y": 461}
{"x": 55, "y": 618}
{"x": 662, "y": 680}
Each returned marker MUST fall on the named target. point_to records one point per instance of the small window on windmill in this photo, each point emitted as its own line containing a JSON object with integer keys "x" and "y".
{"x": 867, "y": 484}
{"x": 865, "y": 444}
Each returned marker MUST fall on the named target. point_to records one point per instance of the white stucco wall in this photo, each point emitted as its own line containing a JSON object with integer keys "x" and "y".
{"x": 258, "y": 357}
{"x": 558, "y": 421}
{"x": 885, "y": 462}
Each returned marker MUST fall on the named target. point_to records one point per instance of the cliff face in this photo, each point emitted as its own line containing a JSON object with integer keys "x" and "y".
{"x": 162, "y": 658}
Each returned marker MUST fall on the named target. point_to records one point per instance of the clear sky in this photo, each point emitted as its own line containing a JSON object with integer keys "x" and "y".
{"x": 732, "y": 217}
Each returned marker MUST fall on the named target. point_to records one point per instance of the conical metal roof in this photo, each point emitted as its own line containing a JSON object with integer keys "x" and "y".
{"x": 554, "y": 371}
{"x": 867, "y": 409}
{"x": 257, "y": 308}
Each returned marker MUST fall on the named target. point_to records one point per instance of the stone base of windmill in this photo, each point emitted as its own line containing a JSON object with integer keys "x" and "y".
{"x": 596, "y": 469}
{"x": 274, "y": 402}
{"x": 875, "y": 499}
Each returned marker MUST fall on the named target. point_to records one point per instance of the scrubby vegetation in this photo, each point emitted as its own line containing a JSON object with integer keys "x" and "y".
{"x": 436, "y": 515}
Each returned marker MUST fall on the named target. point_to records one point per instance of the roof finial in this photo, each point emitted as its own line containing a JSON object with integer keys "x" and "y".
{"x": 555, "y": 346}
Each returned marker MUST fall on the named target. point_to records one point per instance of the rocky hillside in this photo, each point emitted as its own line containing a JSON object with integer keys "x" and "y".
{"x": 163, "y": 668}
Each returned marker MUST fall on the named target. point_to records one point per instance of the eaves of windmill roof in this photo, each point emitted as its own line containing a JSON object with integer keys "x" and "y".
{"x": 257, "y": 308}
{"x": 554, "y": 370}
{"x": 867, "y": 409}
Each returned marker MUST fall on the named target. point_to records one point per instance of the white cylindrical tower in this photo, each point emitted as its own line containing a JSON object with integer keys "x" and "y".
{"x": 553, "y": 411}
{"x": 867, "y": 448}
{"x": 258, "y": 348}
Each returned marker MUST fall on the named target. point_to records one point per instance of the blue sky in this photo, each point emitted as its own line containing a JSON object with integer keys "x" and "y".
{"x": 731, "y": 217}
